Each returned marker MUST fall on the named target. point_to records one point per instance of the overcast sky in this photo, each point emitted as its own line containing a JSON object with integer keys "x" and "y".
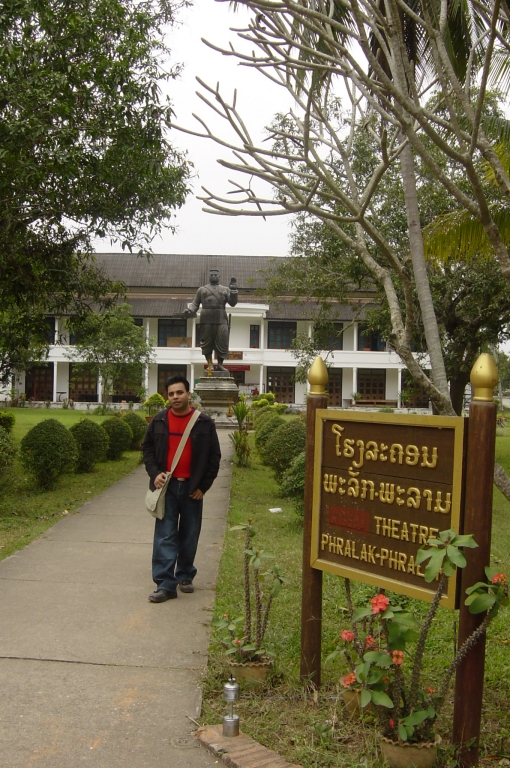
{"x": 257, "y": 101}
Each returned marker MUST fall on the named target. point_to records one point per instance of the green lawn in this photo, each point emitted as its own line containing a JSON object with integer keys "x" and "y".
{"x": 281, "y": 715}
{"x": 25, "y": 511}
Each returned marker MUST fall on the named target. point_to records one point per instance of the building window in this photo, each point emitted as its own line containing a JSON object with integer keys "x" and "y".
{"x": 334, "y": 387}
{"x": 254, "y": 336}
{"x": 164, "y": 372}
{"x": 370, "y": 340}
{"x": 372, "y": 384}
{"x": 171, "y": 329}
{"x": 82, "y": 383}
{"x": 138, "y": 321}
{"x": 127, "y": 385}
{"x": 281, "y": 335}
{"x": 280, "y": 381}
{"x": 39, "y": 382}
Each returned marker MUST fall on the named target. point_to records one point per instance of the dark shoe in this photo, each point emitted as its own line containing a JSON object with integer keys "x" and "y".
{"x": 160, "y": 595}
{"x": 186, "y": 586}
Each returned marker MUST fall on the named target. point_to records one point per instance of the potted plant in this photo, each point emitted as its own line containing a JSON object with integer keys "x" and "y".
{"x": 153, "y": 404}
{"x": 375, "y": 649}
{"x": 355, "y": 396}
{"x": 243, "y": 636}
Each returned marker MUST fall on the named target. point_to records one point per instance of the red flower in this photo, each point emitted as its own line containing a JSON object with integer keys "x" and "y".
{"x": 397, "y": 657}
{"x": 237, "y": 642}
{"x": 430, "y": 690}
{"x": 379, "y": 603}
{"x": 347, "y": 635}
{"x": 348, "y": 680}
{"x": 391, "y": 722}
{"x": 370, "y": 641}
{"x": 500, "y": 578}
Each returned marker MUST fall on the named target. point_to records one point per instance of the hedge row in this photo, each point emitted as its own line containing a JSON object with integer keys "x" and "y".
{"x": 50, "y": 450}
{"x": 281, "y": 446}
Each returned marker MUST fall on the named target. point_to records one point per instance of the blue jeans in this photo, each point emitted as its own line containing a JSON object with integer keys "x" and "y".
{"x": 176, "y": 537}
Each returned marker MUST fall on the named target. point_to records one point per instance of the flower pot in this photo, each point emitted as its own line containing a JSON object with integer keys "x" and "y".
{"x": 251, "y": 671}
{"x": 409, "y": 755}
{"x": 352, "y": 701}
{"x": 148, "y": 419}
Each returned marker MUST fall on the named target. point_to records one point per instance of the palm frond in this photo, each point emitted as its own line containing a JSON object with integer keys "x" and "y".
{"x": 457, "y": 236}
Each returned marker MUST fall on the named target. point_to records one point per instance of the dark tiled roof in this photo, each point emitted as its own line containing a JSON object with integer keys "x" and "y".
{"x": 307, "y": 310}
{"x": 157, "y": 307}
{"x": 183, "y": 271}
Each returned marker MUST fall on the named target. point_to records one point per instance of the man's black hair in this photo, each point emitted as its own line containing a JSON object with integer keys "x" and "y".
{"x": 177, "y": 380}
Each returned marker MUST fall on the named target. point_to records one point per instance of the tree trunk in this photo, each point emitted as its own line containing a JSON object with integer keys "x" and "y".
{"x": 501, "y": 480}
{"x": 457, "y": 389}
{"x": 420, "y": 271}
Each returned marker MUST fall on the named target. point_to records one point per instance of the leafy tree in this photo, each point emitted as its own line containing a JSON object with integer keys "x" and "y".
{"x": 112, "y": 345}
{"x": 83, "y": 153}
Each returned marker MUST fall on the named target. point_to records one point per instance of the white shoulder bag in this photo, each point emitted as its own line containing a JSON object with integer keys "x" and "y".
{"x": 155, "y": 500}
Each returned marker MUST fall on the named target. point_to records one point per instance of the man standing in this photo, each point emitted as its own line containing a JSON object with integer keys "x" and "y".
{"x": 213, "y": 319}
{"x": 176, "y": 535}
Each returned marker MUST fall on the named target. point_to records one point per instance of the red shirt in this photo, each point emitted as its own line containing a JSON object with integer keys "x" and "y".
{"x": 176, "y": 426}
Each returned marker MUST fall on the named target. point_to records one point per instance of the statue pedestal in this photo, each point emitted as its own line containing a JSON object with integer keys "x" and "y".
{"x": 217, "y": 393}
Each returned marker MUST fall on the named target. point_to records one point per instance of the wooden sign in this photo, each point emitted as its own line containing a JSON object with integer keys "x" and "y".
{"x": 383, "y": 485}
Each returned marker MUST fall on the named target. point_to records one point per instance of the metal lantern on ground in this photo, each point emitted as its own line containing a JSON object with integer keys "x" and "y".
{"x": 231, "y": 721}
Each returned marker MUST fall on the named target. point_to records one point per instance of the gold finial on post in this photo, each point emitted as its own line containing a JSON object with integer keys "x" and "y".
{"x": 318, "y": 377}
{"x": 484, "y": 377}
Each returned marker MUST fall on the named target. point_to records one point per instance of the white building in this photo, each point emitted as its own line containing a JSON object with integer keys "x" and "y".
{"x": 260, "y": 338}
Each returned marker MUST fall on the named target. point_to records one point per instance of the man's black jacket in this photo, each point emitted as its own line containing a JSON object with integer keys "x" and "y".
{"x": 205, "y": 450}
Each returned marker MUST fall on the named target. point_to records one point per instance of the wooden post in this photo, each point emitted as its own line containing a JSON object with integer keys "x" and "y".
{"x": 477, "y": 521}
{"x": 311, "y": 599}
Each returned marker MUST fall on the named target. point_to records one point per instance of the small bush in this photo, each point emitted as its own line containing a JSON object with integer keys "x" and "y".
{"x": 285, "y": 444}
{"x": 242, "y": 450}
{"x": 120, "y": 437}
{"x": 7, "y": 421}
{"x": 260, "y": 403}
{"x": 154, "y": 403}
{"x": 292, "y": 483}
{"x": 263, "y": 434}
{"x": 48, "y": 451}
{"x": 256, "y": 415}
{"x": 8, "y": 451}
{"x": 138, "y": 427}
{"x": 92, "y": 442}
{"x": 279, "y": 407}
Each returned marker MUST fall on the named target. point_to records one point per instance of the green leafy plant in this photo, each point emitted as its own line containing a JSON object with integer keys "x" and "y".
{"x": 239, "y": 439}
{"x": 7, "y": 421}
{"x": 8, "y": 451}
{"x": 92, "y": 443}
{"x": 263, "y": 434}
{"x": 248, "y": 646}
{"x": 286, "y": 442}
{"x": 138, "y": 427}
{"x": 154, "y": 403}
{"x": 120, "y": 437}
{"x": 375, "y": 646}
{"x": 48, "y": 451}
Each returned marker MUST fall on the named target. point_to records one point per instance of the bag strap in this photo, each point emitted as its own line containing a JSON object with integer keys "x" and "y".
{"x": 183, "y": 441}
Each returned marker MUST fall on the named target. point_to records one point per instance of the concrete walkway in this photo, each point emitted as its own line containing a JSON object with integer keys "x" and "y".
{"x": 91, "y": 673}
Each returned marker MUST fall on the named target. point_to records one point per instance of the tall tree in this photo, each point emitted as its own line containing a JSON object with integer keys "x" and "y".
{"x": 112, "y": 346}
{"x": 83, "y": 150}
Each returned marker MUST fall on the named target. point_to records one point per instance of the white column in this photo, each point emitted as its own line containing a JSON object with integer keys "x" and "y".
{"x": 192, "y": 375}
{"x": 261, "y": 379}
{"x": 354, "y": 379}
{"x": 55, "y": 377}
{"x": 399, "y": 388}
{"x": 193, "y": 332}
{"x": 99, "y": 390}
{"x": 262, "y": 341}
{"x": 356, "y": 325}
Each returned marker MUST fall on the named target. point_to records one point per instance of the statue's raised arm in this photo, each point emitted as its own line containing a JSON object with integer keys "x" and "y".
{"x": 214, "y": 329}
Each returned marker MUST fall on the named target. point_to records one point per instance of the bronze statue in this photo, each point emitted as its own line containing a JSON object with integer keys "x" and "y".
{"x": 213, "y": 319}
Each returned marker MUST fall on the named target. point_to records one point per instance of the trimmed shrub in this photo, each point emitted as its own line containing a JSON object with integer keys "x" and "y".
{"x": 120, "y": 437}
{"x": 92, "y": 442}
{"x": 266, "y": 431}
{"x": 261, "y": 402}
{"x": 154, "y": 403}
{"x": 256, "y": 415}
{"x": 285, "y": 444}
{"x": 263, "y": 421}
{"x": 7, "y": 421}
{"x": 279, "y": 407}
{"x": 292, "y": 483}
{"x": 138, "y": 427}
{"x": 8, "y": 451}
{"x": 48, "y": 451}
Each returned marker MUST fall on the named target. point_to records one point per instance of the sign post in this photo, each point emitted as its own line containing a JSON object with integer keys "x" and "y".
{"x": 311, "y": 597}
{"x": 477, "y": 521}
